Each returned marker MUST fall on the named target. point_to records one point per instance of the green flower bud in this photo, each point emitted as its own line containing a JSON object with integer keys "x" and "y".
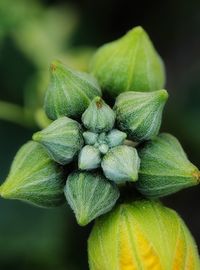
{"x": 121, "y": 164}
{"x": 102, "y": 138}
{"x": 142, "y": 235}
{"x": 116, "y": 137}
{"x": 62, "y": 139}
{"x": 90, "y": 195}
{"x": 90, "y": 137}
{"x": 165, "y": 168}
{"x": 34, "y": 178}
{"x": 69, "y": 92}
{"x": 140, "y": 114}
{"x": 103, "y": 148}
{"x": 98, "y": 117}
{"x": 89, "y": 158}
{"x": 130, "y": 63}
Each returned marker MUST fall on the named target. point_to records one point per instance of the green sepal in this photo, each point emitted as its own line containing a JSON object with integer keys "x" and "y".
{"x": 130, "y": 63}
{"x": 62, "y": 139}
{"x": 90, "y": 195}
{"x": 139, "y": 114}
{"x": 89, "y": 158}
{"x": 98, "y": 117}
{"x": 165, "y": 168}
{"x": 121, "y": 164}
{"x": 69, "y": 92}
{"x": 34, "y": 178}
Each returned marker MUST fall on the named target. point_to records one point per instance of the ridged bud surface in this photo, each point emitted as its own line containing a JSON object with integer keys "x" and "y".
{"x": 121, "y": 164}
{"x": 90, "y": 195}
{"x": 98, "y": 117}
{"x": 62, "y": 139}
{"x": 142, "y": 235}
{"x": 69, "y": 92}
{"x": 140, "y": 114}
{"x": 165, "y": 168}
{"x": 130, "y": 63}
{"x": 89, "y": 158}
{"x": 116, "y": 137}
{"x": 90, "y": 137}
{"x": 34, "y": 178}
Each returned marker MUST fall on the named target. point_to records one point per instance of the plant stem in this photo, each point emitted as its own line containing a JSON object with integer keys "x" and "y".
{"x": 15, "y": 114}
{"x": 130, "y": 143}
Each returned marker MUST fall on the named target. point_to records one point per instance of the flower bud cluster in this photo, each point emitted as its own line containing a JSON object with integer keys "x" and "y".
{"x": 91, "y": 151}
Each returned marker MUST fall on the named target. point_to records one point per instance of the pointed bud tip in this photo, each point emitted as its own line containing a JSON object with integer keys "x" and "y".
{"x": 4, "y": 193}
{"x": 163, "y": 95}
{"x": 134, "y": 177}
{"x": 1, "y": 191}
{"x": 196, "y": 175}
{"x": 82, "y": 166}
{"x": 37, "y": 136}
{"x": 54, "y": 65}
{"x": 103, "y": 148}
{"x": 98, "y": 117}
{"x": 99, "y": 102}
{"x": 137, "y": 29}
{"x": 82, "y": 221}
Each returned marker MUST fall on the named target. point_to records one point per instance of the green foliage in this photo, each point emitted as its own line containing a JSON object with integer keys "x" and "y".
{"x": 47, "y": 33}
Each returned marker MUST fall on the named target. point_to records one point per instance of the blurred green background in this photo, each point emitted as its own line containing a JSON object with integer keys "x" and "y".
{"x": 32, "y": 33}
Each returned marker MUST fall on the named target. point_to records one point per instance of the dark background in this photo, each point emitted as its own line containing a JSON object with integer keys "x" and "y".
{"x": 32, "y": 33}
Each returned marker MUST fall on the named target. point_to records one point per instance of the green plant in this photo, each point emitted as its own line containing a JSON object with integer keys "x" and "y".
{"x": 106, "y": 158}
{"x": 48, "y": 32}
